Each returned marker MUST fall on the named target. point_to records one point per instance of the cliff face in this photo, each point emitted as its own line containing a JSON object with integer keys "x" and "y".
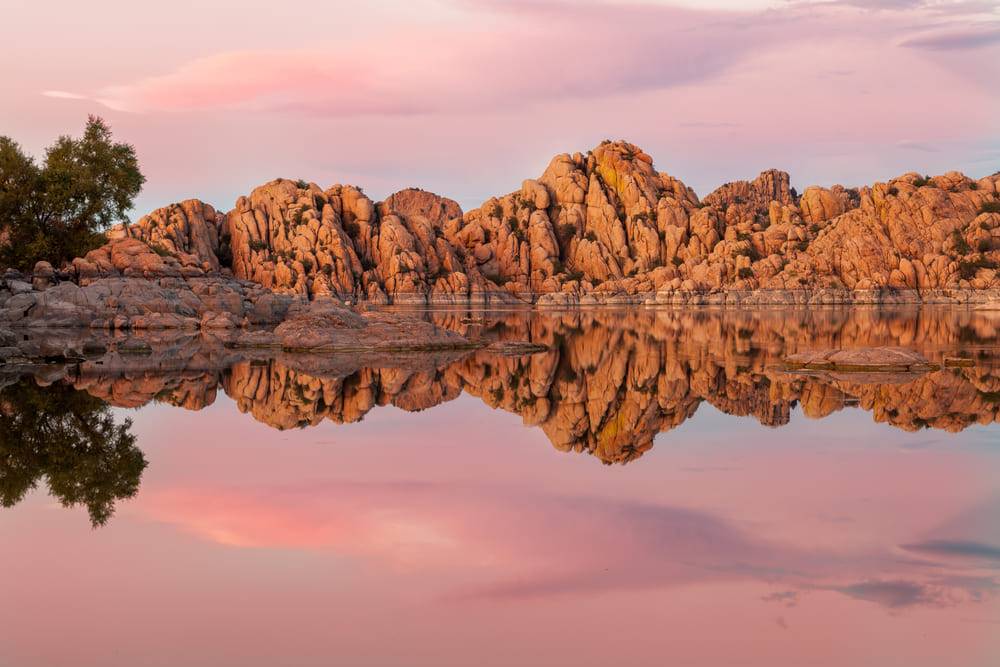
{"x": 606, "y": 223}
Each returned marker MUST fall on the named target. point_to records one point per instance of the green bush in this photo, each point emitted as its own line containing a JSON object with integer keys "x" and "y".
{"x": 745, "y": 272}
{"x": 57, "y": 210}
{"x": 990, "y": 207}
{"x": 922, "y": 181}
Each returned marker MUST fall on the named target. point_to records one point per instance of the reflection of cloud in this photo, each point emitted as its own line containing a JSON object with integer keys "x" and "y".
{"x": 525, "y": 544}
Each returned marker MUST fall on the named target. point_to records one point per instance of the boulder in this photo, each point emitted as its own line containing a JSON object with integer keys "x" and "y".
{"x": 330, "y": 328}
{"x": 860, "y": 360}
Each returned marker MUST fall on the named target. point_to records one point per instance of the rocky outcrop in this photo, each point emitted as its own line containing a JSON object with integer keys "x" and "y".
{"x": 329, "y": 328}
{"x": 594, "y": 227}
{"x": 126, "y": 285}
{"x": 192, "y": 231}
{"x": 861, "y": 360}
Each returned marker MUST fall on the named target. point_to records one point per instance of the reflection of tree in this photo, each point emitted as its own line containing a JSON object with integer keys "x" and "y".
{"x": 71, "y": 439}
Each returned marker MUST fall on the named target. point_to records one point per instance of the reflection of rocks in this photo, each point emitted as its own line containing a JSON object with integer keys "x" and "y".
{"x": 606, "y": 383}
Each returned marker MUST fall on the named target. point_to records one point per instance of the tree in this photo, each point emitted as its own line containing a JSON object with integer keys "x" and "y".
{"x": 56, "y": 211}
{"x": 71, "y": 439}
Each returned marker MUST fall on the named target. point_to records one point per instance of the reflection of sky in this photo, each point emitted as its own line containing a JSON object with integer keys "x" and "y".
{"x": 457, "y": 536}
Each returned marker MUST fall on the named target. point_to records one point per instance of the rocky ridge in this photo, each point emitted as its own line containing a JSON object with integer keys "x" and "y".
{"x": 596, "y": 227}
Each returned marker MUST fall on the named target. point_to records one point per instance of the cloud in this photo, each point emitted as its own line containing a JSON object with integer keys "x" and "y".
{"x": 882, "y": 4}
{"x": 923, "y": 148}
{"x": 514, "y": 54}
{"x": 896, "y": 594}
{"x": 957, "y": 548}
{"x": 786, "y": 598}
{"x": 63, "y": 95}
{"x": 953, "y": 40}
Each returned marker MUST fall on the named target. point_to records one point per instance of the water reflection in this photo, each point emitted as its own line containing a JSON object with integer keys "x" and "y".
{"x": 608, "y": 384}
{"x": 448, "y": 533}
{"x": 72, "y": 441}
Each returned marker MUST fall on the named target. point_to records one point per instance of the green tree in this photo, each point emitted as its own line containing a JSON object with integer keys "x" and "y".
{"x": 57, "y": 210}
{"x": 70, "y": 439}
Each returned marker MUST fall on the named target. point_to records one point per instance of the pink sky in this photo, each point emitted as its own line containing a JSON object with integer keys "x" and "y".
{"x": 468, "y": 97}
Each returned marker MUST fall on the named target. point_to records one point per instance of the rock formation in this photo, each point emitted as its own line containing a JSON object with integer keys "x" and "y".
{"x": 598, "y": 226}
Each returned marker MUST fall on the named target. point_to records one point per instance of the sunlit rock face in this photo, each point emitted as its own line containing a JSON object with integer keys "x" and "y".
{"x": 609, "y": 381}
{"x": 599, "y": 224}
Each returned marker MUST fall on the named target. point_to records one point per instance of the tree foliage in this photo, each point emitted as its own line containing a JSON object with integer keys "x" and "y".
{"x": 70, "y": 439}
{"x": 55, "y": 211}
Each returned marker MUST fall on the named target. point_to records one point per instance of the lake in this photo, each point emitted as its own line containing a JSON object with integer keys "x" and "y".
{"x": 654, "y": 488}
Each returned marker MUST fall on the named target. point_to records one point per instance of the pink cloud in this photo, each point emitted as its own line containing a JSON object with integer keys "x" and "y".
{"x": 513, "y": 54}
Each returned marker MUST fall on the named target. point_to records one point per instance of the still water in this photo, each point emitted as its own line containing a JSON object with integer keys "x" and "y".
{"x": 653, "y": 489}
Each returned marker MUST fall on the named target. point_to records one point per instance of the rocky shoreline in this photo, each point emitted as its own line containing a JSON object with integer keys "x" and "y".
{"x": 294, "y": 266}
{"x": 145, "y": 291}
